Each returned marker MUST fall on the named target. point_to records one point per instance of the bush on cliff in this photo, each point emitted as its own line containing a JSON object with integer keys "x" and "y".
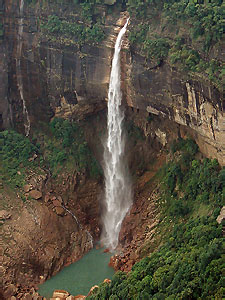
{"x": 68, "y": 146}
{"x": 15, "y": 151}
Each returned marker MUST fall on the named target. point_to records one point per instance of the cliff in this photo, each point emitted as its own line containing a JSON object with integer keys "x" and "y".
{"x": 64, "y": 76}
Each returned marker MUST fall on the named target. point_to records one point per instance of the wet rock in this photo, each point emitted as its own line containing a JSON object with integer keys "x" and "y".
{"x": 35, "y": 194}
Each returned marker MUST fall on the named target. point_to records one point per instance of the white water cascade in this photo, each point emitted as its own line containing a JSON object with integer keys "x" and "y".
{"x": 118, "y": 194}
{"x": 18, "y": 69}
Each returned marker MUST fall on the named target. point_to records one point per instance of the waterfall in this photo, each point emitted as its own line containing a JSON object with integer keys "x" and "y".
{"x": 18, "y": 70}
{"x": 118, "y": 195}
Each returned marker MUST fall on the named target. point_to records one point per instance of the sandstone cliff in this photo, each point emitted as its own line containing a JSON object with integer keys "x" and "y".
{"x": 62, "y": 77}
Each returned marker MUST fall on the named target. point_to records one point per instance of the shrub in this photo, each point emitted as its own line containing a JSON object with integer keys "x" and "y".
{"x": 15, "y": 151}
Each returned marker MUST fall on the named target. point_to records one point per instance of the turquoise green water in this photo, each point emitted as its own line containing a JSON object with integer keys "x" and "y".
{"x": 79, "y": 277}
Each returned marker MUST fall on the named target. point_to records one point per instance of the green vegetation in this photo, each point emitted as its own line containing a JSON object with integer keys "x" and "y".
{"x": 134, "y": 132}
{"x": 156, "y": 48}
{"x": 190, "y": 262}
{"x": 198, "y": 26}
{"x": 205, "y": 17}
{"x": 65, "y": 145}
{"x": 187, "y": 182}
{"x": 15, "y": 151}
{"x": 188, "y": 266}
{"x": 80, "y": 33}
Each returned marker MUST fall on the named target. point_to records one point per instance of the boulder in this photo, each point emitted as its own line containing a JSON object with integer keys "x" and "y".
{"x": 92, "y": 289}
{"x": 27, "y": 188}
{"x": 47, "y": 198}
{"x": 56, "y": 203}
{"x": 80, "y": 297}
{"x": 35, "y": 194}
{"x": 107, "y": 281}
{"x": 59, "y": 211}
{"x": 60, "y": 199}
{"x": 60, "y": 294}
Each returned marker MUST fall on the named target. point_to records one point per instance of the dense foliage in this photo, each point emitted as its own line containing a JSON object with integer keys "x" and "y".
{"x": 196, "y": 25}
{"x": 68, "y": 145}
{"x": 188, "y": 182}
{"x": 79, "y": 32}
{"x": 188, "y": 266}
{"x": 15, "y": 152}
{"x": 190, "y": 263}
{"x": 64, "y": 145}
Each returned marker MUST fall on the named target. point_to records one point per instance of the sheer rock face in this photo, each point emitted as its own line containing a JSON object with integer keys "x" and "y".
{"x": 194, "y": 104}
{"x": 68, "y": 81}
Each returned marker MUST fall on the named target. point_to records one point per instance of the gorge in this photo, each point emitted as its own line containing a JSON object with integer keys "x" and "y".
{"x": 55, "y": 62}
